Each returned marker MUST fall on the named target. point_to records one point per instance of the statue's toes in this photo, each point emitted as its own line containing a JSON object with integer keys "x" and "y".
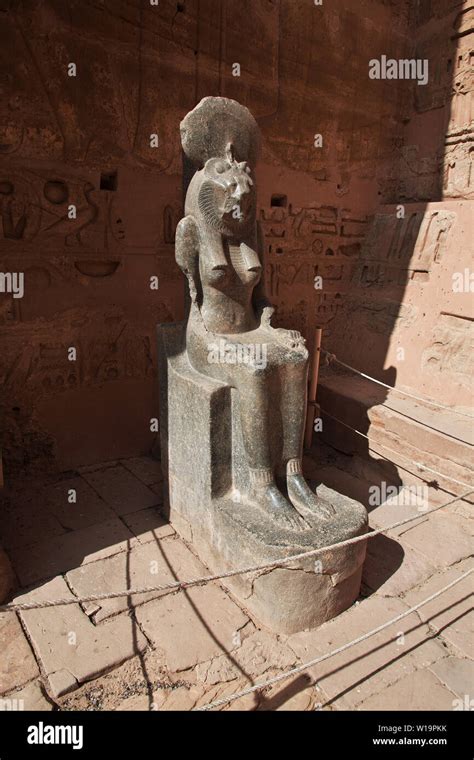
{"x": 324, "y": 508}
{"x": 319, "y": 513}
{"x": 293, "y": 524}
{"x": 297, "y": 522}
{"x": 307, "y": 502}
{"x": 316, "y": 510}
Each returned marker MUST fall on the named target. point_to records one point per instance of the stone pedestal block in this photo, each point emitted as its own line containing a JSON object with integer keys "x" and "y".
{"x": 205, "y": 487}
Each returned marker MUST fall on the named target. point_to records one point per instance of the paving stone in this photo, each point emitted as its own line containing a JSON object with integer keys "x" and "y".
{"x": 88, "y": 509}
{"x": 157, "y": 488}
{"x": 219, "y": 670}
{"x": 451, "y": 613}
{"x": 98, "y": 466}
{"x": 291, "y": 695}
{"x": 464, "y": 508}
{"x": 47, "y": 559}
{"x": 297, "y": 703}
{"x": 460, "y": 633}
{"x": 390, "y": 569}
{"x": 143, "y": 565}
{"x": 247, "y": 703}
{"x": 65, "y": 639}
{"x": 137, "y": 703}
{"x": 258, "y": 653}
{"x": 30, "y": 697}
{"x": 121, "y": 490}
{"x": 62, "y": 682}
{"x": 420, "y": 690}
{"x": 17, "y": 663}
{"x": 457, "y": 674}
{"x": 147, "y": 469}
{"x": 444, "y": 539}
{"x": 182, "y": 698}
{"x": 26, "y": 520}
{"x": 148, "y": 525}
{"x": 163, "y": 696}
{"x": 370, "y": 666}
{"x": 391, "y": 511}
{"x": 20, "y": 496}
{"x": 192, "y": 626}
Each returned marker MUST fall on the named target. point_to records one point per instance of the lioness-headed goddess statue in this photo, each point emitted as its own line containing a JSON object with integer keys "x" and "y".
{"x": 219, "y": 247}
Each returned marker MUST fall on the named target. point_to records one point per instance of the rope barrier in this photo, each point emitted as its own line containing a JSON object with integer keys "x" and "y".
{"x": 332, "y": 357}
{"x": 322, "y": 658}
{"x": 181, "y": 585}
{"x": 383, "y": 446}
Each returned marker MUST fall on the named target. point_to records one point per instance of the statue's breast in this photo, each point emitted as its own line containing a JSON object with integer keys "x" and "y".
{"x": 245, "y": 263}
{"x": 229, "y": 266}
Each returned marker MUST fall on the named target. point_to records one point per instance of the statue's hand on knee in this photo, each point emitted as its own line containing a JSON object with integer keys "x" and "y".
{"x": 265, "y": 311}
{"x": 289, "y": 338}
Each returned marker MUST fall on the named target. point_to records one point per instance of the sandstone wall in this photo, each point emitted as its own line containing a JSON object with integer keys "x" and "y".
{"x": 85, "y": 140}
{"x": 411, "y": 290}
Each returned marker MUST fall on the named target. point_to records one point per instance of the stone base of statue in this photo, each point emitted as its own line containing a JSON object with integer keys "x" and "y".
{"x": 206, "y": 480}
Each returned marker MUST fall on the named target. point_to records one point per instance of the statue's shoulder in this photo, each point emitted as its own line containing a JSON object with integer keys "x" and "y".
{"x": 187, "y": 229}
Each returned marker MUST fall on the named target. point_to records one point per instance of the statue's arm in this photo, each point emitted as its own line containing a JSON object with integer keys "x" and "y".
{"x": 264, "y": 309}
{"x": 187, "y": 254}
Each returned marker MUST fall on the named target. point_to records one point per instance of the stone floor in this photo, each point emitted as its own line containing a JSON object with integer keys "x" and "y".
{"x": 177, "y": 651}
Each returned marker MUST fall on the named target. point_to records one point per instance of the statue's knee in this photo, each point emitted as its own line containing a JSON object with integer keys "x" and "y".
{"x": 304, "y": 356}
{"x": 297, "y": 358}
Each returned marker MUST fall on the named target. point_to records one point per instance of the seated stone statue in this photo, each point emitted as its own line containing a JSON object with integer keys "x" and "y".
{"x": 219, "y": 248}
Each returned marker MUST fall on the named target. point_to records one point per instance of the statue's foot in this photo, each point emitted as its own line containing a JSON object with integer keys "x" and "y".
{"x": 274, "y": 503}
{"x": 267, "y": 496}
{"x": 302, "y": 497}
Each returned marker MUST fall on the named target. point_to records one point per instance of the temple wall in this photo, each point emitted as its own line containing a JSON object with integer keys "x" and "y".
{"x": 326, "y": 210}
{"x": 411, "y": 289}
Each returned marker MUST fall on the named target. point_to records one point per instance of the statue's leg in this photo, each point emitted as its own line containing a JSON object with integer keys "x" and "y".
{"x": 294, "y": 397}
{"x": 255, "y": 415}
{"x": 252, "y": 385}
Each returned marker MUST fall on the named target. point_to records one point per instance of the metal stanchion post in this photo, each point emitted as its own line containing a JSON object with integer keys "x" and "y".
{"x": 314, "y": 371}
